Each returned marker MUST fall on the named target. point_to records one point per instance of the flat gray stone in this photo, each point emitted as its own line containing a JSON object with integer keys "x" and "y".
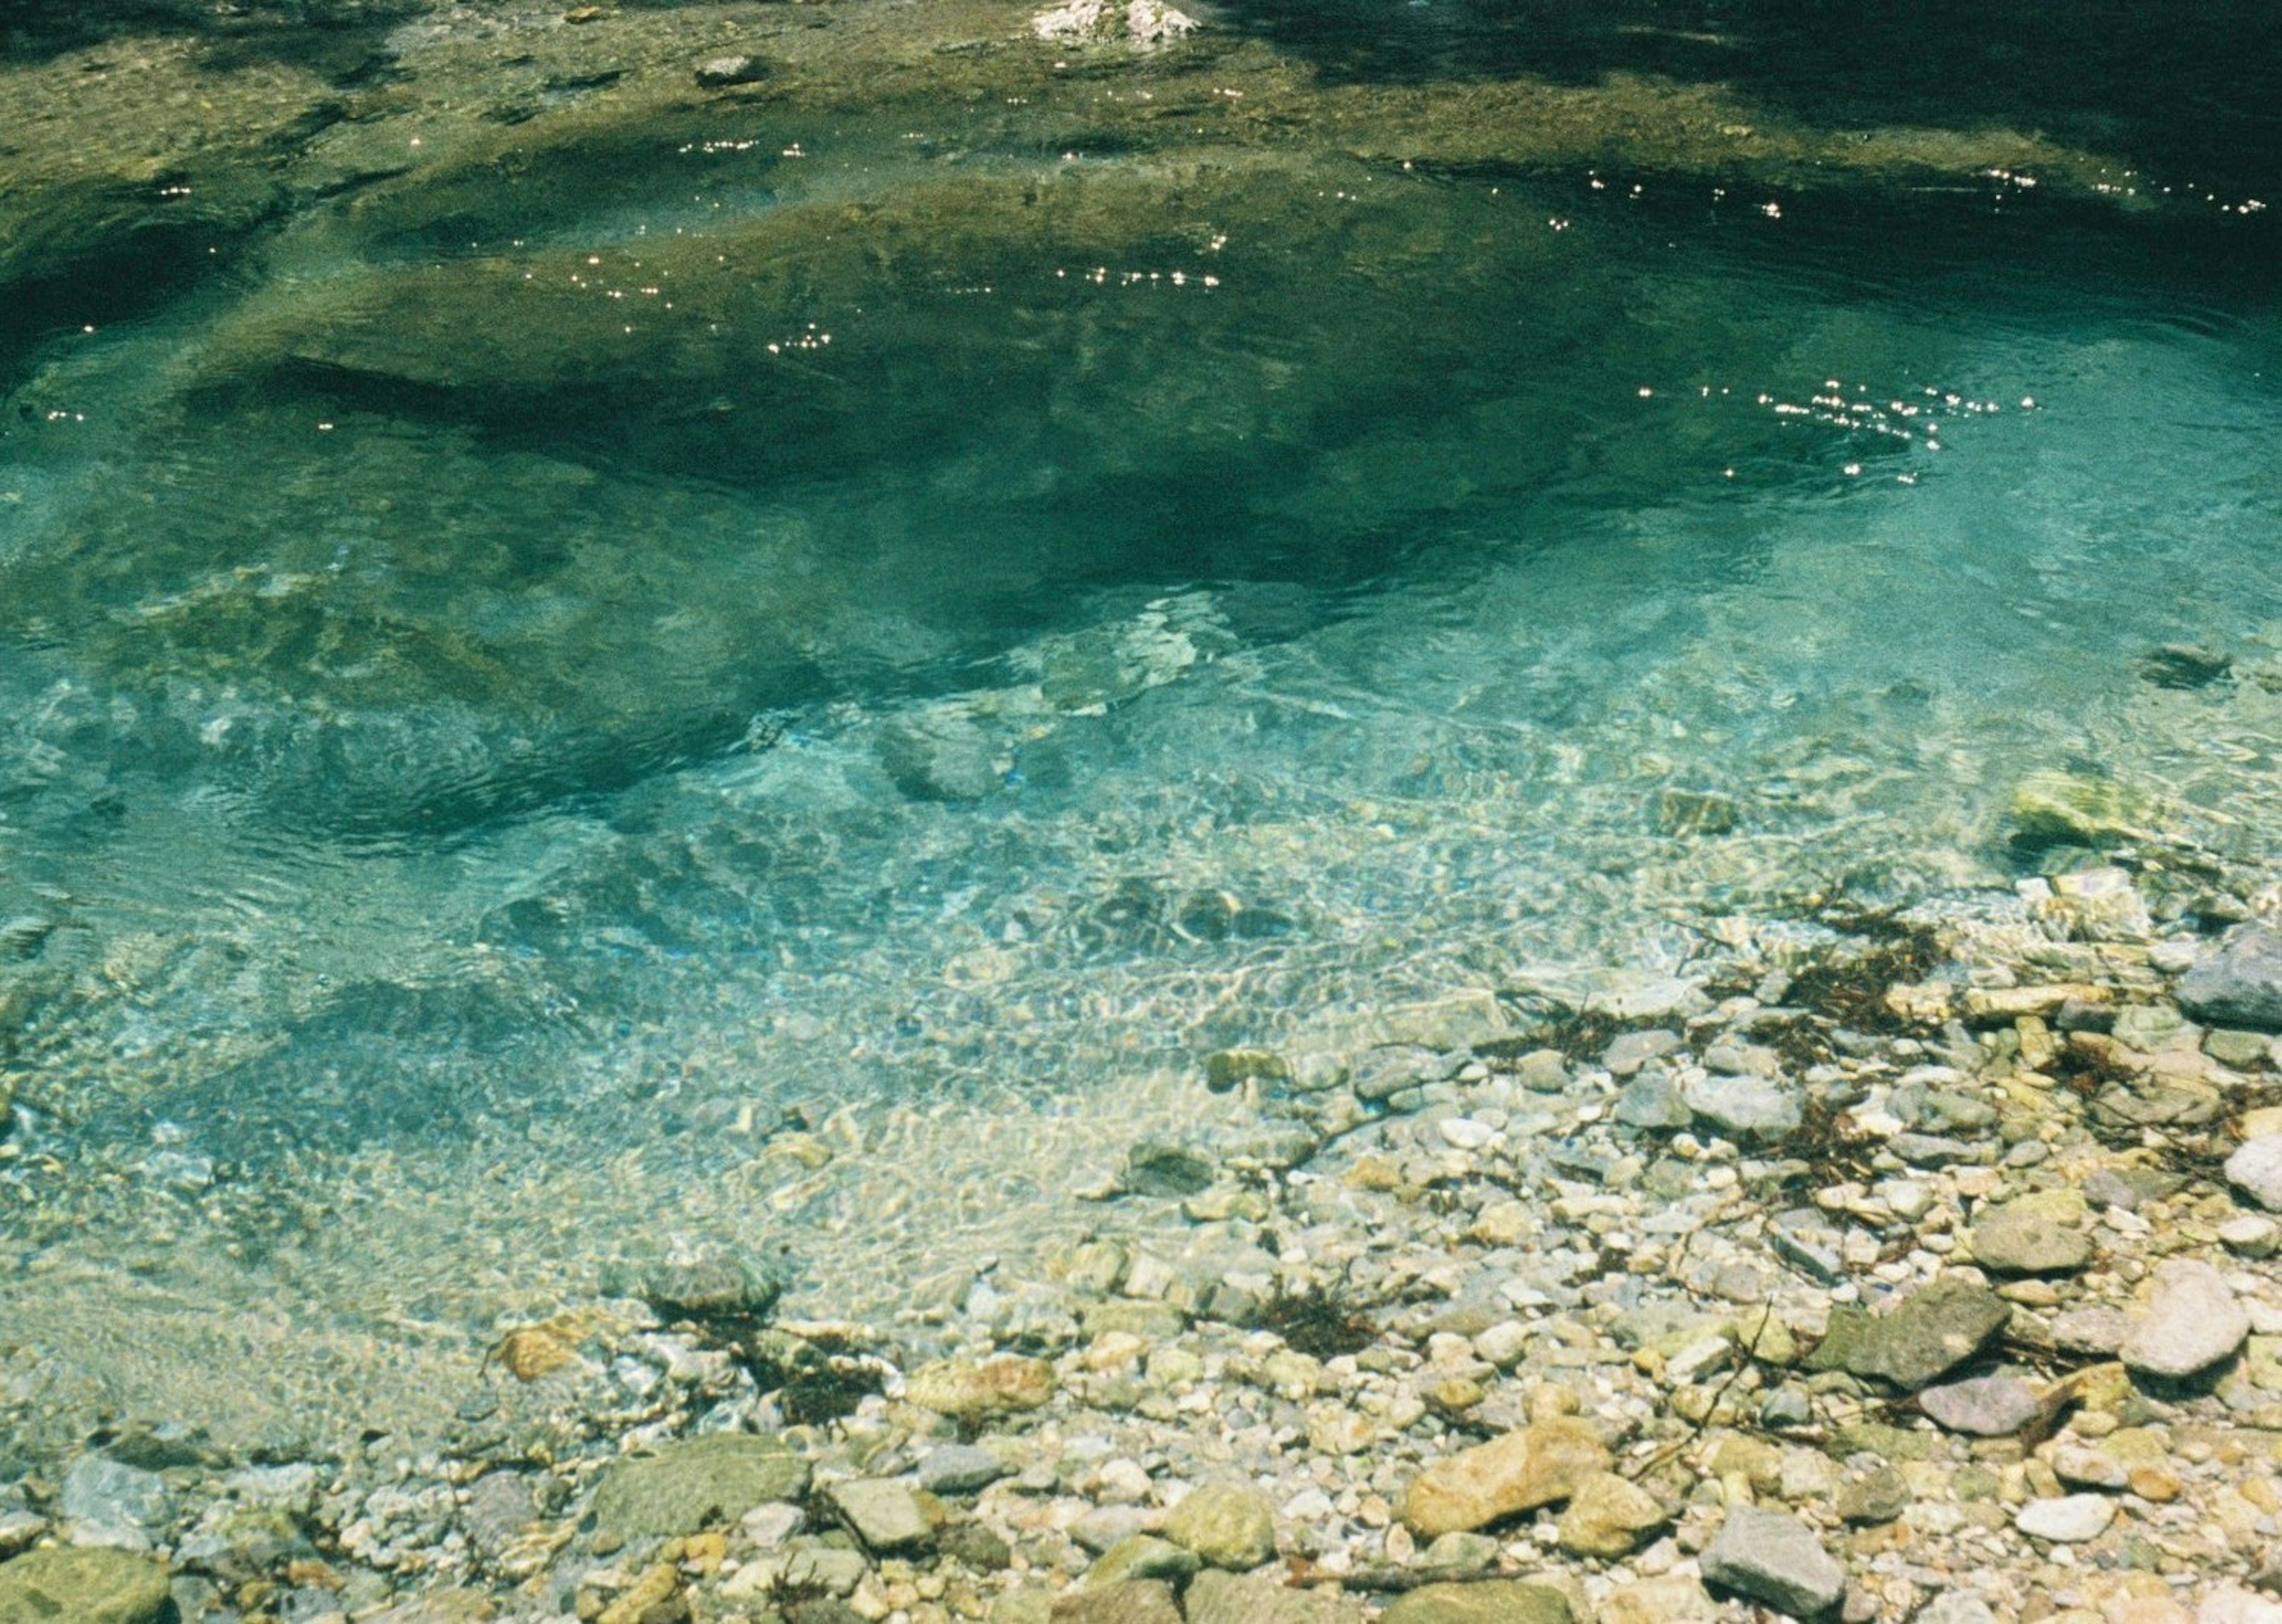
{"x": 884, "y": 1515}
{"x": 84, "y": 1585}
{"x": 959, "y": 1468}
{"x": 1935, "y": 1150}
{"x": 2069, "y": 1519}
{"x": 1774, "y": 1558}
{"x": 2241, "y": 985}
{"x": 2192, "y": 1322}
{"x": 1986, "y": 1407}
{"x": 2008, "y": 1241}
{"x": 1749, "y": 1107}
{"x": 1653, "y": 1101}
{"x": 108, "y": 1503}
{"x": 715, "y": 1477}
{"x": 1628, "y": 1052}
{"x": 2257, "y": 1170}
{"x": 2096, "y": 1329}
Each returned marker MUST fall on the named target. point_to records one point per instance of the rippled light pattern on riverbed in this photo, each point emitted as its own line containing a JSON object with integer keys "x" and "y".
{"x": 536, "y": 675}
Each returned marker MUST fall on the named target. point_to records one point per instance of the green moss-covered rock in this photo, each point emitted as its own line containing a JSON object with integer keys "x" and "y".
{"x": 715, "y": 1477}
{"x": 68, "y": 1585}
{"x": 1496, "y": 1601}
{"x": 2077, "y": 809}
{"x": 1919, "y": 1339}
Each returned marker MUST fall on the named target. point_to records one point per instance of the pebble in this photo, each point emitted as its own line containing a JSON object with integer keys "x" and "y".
{"x": 959, "y": 1468}
{"x": 731, "y": 70}
{"x": 883, "y": 1514}
{"x": 1608, "y": 1516}
{"x": 1985, "y": 1407}
{"x": 2255, "y": 1169}
{"x": 1772, "y": 1557}
{"x": 1227, "y": 1525}
{"x": 2066, "y": 1519}
{"x": 2013, "y": 1240}
{"x": 1750, "y": 1106}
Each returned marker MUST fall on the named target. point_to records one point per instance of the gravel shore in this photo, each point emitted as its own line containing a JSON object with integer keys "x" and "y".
{"x": 1929, "y": 1277}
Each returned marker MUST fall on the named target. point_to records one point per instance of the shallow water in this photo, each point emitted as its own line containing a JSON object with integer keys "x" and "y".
{"x": 931, "y": 642}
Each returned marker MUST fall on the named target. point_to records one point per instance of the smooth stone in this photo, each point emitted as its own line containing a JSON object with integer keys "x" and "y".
{"x": 1652, "y": 1102}
{"x": 712, "y": 1284}
{"x": 2096, "y": 1329}
{"x": 84, "y": 1585}
{"x": 2231, "y": 1603}
{"x": 731, "y": 70}
{"x": 112, "y": 1504}
{"x": 1228, "y": 1525}
{"x": 1747, "y": 1106}
{"x": 1545, "y": 1461}
{"x": 2068, "y": 1520}
{"x": 2009, "y": 1240}
{"x": 883, "y": 1514}
{"x": 1668, "y": 1598}
{"x": 2256, "y": 1170}
{"x": 1461, "y": 1553}
{"x": 1774, "y": 1558}
{"x": 959, "y": 1468}
{"x": 716, "y": 1477}
{"x": 967, "y": 1389}
{"x": 1934, "y": 1150}
{"x": 2241, "y": 985}
{"x": 1143, "y": 1556}
{"x": 1136, "y": 1601}
{"x": 1877, "y": 1495}
{"x": 1919, "y": 1339}
{"x": 2250, "y": 1235}
{"x": 1986, "y": 1407}
{"x": 1628, "y": 1052}
{"x": 1493, "y": 1601}
{"x": 1264, "y": 1598}
{"x": 2191, "y": 1322}
{"x": 1608, "y": 1516}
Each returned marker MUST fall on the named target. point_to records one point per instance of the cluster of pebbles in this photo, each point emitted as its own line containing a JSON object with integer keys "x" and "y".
{"x": 1929, "y": 1277}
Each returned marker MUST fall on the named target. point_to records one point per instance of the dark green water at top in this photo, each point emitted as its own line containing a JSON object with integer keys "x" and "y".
{"x": 511, "y": 682}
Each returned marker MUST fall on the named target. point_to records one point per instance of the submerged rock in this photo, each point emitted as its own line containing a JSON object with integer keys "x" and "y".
{"x": 84, "y": 1585}
{"x": 1919, "y": 1339}
{"x": 1495, "y": 1601}
{"x": 2242, "y": 984}
{"x": 1774, "y": 1558}
{"x": 718, "y": 1477}
{"x": 1541, "y": 1465}
{"x": 1228, "y": 1525}
{"x": 2191, "y": 1322}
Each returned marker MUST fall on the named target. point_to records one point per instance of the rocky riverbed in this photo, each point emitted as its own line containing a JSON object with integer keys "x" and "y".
{"x": 1928, "y": 1276}
{"x": 477, "y": 885}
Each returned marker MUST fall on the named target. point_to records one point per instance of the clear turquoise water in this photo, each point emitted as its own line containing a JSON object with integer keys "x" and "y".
{"x": 446, "y": 821}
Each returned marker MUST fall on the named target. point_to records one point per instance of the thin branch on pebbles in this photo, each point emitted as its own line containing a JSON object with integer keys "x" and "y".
{"x": 1679, "y": 1445}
